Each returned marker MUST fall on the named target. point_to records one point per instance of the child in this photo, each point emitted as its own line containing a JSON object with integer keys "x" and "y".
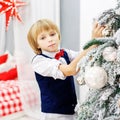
{"x": 54, "y": 69}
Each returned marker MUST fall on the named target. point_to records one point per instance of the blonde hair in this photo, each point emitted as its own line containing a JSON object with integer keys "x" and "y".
{"x": 36, "y": 29}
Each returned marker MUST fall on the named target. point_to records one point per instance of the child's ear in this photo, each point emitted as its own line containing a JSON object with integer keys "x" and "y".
{"x": 38, "y": 46}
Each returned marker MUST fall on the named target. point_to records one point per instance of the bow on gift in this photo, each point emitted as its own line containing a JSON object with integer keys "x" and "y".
{"x": 59, "y": 54}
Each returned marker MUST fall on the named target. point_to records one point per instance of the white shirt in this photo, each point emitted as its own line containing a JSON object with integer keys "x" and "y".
{"x": 49, "y": 67}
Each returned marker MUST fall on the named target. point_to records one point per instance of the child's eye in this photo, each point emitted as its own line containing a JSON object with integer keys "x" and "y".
{"x": 52, "y": 34}
{"x": 42, "y": 38}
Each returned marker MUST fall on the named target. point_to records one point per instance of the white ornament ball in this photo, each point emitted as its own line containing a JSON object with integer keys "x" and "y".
{"x": 95, "y": 77}
{"x": 110, "y": 54}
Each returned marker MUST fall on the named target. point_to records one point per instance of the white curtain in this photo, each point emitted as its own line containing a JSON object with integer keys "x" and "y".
{"x": 33, "y": 11}
{"x": 6, "y": 36}
{"x": 2, "y": 33}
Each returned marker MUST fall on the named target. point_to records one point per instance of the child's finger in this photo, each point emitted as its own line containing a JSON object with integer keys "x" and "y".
{"x": 95, "y": 24}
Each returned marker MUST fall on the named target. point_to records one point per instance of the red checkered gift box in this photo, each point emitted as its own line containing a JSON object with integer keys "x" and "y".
{"x": 10, "y": 101}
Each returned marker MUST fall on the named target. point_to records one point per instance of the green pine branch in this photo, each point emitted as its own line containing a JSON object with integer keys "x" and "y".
{"x": 93, "y": 42}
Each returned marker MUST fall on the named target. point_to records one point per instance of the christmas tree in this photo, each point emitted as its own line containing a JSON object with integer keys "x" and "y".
{"x": 100, "y": 71}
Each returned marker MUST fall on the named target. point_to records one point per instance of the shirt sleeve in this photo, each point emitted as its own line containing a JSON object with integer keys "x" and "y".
{"x": 47, "y": 67}
{"x": 72, "y": 54}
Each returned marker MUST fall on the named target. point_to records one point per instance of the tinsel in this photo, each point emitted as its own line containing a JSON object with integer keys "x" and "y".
{"x": 102, "y": 104}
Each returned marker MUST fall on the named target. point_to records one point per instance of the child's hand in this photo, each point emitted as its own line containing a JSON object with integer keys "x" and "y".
{"x": 97, "y": 30}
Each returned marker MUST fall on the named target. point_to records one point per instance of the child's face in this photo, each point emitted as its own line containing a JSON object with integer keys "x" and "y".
{"x": 48, "y": 41}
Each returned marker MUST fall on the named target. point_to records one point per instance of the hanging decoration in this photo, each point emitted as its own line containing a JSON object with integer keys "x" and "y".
{"x": 95, "y": 77}
{"x": 10, "y": 8}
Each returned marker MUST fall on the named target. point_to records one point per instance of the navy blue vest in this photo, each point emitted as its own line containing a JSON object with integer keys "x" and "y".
{"x": 57, "y": 96}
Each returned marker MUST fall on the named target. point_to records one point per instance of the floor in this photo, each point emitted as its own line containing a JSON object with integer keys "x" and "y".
{"x": 24, "y": 118}
{"x": 18, "y": 116}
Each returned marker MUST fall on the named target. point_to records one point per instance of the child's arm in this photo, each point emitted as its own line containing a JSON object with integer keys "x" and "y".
{"x": 70, "y": 69}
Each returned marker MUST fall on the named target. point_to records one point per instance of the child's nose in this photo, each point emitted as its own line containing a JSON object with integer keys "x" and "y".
{"x": 49, "y": 39}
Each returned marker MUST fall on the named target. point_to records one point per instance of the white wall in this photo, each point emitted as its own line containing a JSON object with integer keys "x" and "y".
{"x": 69, "y": 24}
{"x": 89, "y": 9}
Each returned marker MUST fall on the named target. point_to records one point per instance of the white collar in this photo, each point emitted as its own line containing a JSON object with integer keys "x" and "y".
{"x": 50, "y": 54}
